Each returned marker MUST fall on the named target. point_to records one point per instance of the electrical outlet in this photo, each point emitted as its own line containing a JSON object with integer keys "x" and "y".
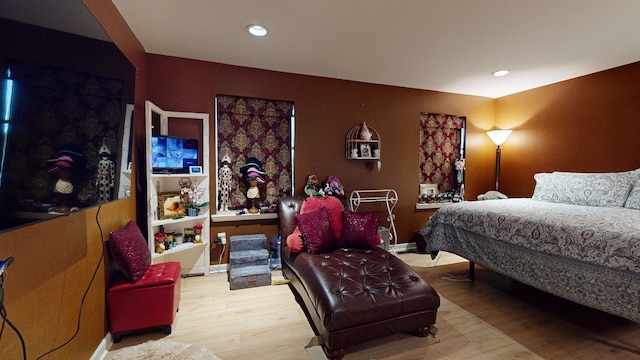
{"x": 221, "y": 238}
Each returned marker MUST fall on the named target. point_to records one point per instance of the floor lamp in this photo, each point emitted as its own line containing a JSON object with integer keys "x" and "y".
{"x": 498, "y": 137}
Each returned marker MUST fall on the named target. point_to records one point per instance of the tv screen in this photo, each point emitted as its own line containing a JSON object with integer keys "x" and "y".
{"x": 173, "y": 154}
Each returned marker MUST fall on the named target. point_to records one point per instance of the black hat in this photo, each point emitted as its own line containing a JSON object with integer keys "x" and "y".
{"x": 253, "y": 164}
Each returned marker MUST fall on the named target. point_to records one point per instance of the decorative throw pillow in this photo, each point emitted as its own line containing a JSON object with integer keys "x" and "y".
{"x": 317, "y": 234}
{"x": 360, "y": 229}
{"x": 294, "y": 241}
{"x": 589, "y": 189}
{"x": 130, "y": 251}
{"x": 633, "y": 201}
{"x": 334, "y": 209}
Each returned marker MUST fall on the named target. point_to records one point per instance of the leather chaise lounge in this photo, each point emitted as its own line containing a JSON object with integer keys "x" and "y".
{"x": 354, "y": 295}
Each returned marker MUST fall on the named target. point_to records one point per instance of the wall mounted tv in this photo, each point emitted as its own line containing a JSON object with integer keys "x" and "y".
{"x": 173, "y": 155}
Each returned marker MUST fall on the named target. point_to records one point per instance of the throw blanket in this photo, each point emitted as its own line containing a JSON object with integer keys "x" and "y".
{"x": 607, "y": 236}
{"x": 586, "y": 254}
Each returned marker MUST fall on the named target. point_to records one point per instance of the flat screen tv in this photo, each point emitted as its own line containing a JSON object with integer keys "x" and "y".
{"x": 173, "y": 155}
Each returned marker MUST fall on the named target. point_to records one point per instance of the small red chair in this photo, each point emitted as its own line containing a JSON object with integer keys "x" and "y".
{"x": 150, "y": 302}
{"x": 145, "y": 296}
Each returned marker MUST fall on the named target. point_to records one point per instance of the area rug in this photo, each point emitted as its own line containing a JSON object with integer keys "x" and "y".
{"x": 162, "y": 349}
{"x": 461, "y": 335}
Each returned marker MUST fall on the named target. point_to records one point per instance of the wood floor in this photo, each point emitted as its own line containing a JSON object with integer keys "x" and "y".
{"x": 252, "y": 323}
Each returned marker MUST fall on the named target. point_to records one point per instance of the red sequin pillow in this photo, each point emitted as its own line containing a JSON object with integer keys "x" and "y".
{"x": 334, "y": 209}
{"x": 316, "y": 230}
{"x": 130, "y": 252}
{"x": 359, "y": 230}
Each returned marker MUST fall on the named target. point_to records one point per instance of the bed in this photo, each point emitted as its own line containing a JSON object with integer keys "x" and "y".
{"x": 577, "y": 237}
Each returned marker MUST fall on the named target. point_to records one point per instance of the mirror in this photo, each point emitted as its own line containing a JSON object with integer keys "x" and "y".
{"x": 66, "y": 112}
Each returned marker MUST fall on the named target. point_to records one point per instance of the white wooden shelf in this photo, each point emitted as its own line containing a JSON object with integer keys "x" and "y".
{"x": 423, "y": 206}
{"x": 243, "y": 217}
{"x": 194, "y": 258}
{"x": 179, "y": 248}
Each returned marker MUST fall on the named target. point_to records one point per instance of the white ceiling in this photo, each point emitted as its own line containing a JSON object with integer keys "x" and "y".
{"x": 443, "y": 45}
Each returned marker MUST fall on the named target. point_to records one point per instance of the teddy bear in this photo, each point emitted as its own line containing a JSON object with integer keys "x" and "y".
{"x": 492, "y": 195}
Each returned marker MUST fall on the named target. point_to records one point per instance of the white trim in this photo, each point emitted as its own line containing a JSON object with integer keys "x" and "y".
{"x": 404, "y": 247}
{"x": 220, "y": 268}
{"x": 103, "y": 348}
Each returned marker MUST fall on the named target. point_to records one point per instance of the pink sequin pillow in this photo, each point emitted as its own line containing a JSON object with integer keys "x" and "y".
{"x": 130, "y": 252}
{"x": 360, "y": 230}
{"x": 317, "y": 234}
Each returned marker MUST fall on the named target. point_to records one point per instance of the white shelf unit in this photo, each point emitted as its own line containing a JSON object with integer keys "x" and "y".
{"x": 194, "y": 258}
{"x": 354, "y": 146}
{"x": 389, "y": 198}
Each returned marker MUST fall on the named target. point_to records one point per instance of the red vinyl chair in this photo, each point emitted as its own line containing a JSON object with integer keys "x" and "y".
{"x": 145, "y": 296}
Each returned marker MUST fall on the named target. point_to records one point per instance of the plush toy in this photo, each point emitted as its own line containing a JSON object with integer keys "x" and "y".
{"x": 333, "y": 186}
{"x": 492, "y": 195}
{"x": 313, "y": 186}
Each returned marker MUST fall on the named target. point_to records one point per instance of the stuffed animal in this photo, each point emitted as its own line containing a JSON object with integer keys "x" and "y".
{"x": 492, "y": 195}
{"x": 312, "y": 187}
{"x": 333, "y": 186}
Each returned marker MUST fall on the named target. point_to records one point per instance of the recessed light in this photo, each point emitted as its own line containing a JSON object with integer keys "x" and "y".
{"x": 257, "y": 30}
{"x": 500, "y": 73}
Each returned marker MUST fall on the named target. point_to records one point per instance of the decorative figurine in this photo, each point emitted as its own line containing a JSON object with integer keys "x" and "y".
{"x": 225, "y": 182}
{"x": 105, "y": 179}
{"x": 365, "y": 134}
{"x": 66, "y": 162}
{"x": 253, "y": 173}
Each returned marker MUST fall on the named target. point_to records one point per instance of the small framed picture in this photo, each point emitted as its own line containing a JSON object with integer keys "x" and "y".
{"x": 365, "y": 150}
{"x": 428, "y": 190}
{"x": 170, "y": 205}
{"x": 195, "y": 169}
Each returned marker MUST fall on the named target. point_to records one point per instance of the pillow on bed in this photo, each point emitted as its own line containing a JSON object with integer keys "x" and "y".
{"x": 589, "y": 189}
{"x": 317, "y": 234}
{"x": 360, "y": 230}
{"x": 633, "y": 201}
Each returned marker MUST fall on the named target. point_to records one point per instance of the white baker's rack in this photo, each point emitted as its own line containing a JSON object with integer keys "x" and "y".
{"x": 387, "y": 196}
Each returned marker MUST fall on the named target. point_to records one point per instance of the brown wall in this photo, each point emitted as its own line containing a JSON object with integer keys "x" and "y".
{"x": 565, "y": 126}
{"x": 55, "y": 260}
{"x": 585, "y": 124}
{"x": 325, "y": 110}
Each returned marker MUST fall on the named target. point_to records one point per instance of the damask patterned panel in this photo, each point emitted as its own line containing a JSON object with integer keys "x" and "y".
{"x": 440, "y": 144}
{"x": 259, "y": 128}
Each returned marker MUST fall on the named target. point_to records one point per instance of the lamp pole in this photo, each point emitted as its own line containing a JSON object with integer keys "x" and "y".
{"x": 498, "y": 137}
{"x": 498, "y": 153}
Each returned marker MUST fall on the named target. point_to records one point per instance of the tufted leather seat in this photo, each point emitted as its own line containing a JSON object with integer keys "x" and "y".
{"x": 352, "y": 296}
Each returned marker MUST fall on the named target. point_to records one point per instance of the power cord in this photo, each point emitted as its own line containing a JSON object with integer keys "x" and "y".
{"x": 84, "y": 297}
{"x": 224, "y": 246}
{"x": 3, "y": 310}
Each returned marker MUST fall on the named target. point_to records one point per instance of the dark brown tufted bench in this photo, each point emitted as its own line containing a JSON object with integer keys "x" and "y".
{"x": 351, "y": 296}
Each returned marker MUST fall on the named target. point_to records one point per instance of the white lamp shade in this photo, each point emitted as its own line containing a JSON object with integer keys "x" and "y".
{"x": 499, "y": 136}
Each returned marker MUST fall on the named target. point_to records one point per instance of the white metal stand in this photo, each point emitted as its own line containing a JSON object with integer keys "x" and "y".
{"x": 387, "y": 196}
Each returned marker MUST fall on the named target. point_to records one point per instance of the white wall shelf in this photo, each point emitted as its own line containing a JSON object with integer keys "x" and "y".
{"x": 243, "y": 217}
{"x": 358, "y": 149}
{"x": 424, "y": 206}
{"x": 193, "y": 257}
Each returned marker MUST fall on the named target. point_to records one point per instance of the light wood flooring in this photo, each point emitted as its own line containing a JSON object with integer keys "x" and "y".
{"x": 267, "y": 323}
